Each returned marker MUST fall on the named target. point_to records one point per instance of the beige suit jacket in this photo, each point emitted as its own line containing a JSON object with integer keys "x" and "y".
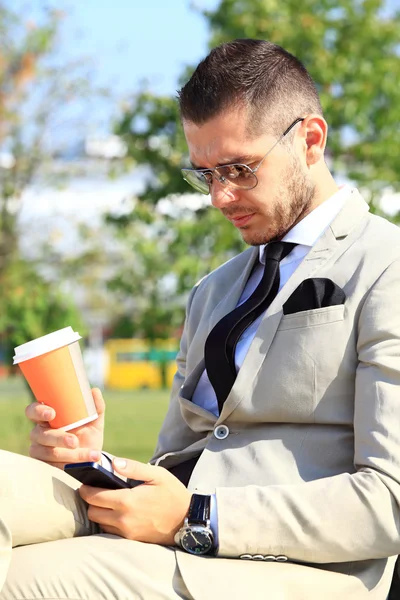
{"x": 310, "y": 469}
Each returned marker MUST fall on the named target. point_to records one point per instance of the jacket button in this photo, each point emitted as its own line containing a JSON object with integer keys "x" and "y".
{"x": 221, "y": 432}
{"x": 281, "y": 558}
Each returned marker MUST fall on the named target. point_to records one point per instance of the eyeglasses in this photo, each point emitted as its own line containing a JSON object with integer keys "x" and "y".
{"x": 235, "y": 175}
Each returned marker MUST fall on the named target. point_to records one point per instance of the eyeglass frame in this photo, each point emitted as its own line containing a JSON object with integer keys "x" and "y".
{"x": 253, "y": 171}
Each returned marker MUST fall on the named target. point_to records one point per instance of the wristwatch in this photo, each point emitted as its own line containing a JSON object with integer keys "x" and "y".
{"x": 196, "y": 536}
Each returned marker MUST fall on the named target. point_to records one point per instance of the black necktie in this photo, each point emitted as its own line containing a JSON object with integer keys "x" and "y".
{"x": 219, "y": 350}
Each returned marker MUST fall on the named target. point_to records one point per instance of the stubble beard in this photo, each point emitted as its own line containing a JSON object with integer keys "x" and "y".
{"x": 293, "y": 201}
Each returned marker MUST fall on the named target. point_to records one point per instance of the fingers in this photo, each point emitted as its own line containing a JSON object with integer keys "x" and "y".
{"x": 110, "y": 529}
{"x": 112, "y": 521}
{"x": 39, "y": 413}
{"x": 45, "y": 436}
{"x": 102, "y": 498}
{"x": 137, "y": 470}
{"x": 56, "y": 446}
{"x": 98, "y": 401}
{"x": 62, "y": 455}
{"x": 103, "y": 516}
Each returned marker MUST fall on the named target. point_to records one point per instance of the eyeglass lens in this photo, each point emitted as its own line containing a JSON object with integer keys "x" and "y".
{"x": 239, "y": 176}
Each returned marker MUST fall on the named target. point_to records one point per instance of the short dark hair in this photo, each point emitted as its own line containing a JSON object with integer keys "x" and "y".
{"x": 270, "y": 82}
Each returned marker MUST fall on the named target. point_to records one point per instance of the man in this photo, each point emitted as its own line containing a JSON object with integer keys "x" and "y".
{"x": 283, "y": 420}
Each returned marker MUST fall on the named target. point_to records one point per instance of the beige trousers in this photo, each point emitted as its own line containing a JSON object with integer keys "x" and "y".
{"x": 50, "y": 550}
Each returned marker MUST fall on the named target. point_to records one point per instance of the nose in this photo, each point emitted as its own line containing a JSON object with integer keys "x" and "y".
{"x": 222, "y": 195}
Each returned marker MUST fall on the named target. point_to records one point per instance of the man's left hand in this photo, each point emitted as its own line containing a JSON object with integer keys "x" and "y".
{"x": 152, "y": 512}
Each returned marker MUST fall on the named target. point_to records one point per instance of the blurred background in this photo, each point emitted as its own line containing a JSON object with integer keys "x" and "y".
{"x": 97, "y": 228}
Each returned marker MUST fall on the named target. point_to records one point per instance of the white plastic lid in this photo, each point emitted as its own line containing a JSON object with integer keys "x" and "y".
{"x": 45, "y": 344}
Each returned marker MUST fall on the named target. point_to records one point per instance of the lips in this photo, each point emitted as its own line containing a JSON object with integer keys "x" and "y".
{"x": 240, "y": 221}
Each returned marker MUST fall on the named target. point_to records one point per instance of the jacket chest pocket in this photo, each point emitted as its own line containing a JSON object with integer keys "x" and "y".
{"x": 303, "y": 359}
{"x": 312, "y": 318}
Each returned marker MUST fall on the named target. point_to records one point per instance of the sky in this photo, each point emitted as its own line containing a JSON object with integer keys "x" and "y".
{"x": 132, "y": 40}
{"x": 136, "y": 39}
{"x": 127, "y": 41}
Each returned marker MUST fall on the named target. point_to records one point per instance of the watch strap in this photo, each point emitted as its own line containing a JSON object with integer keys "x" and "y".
{"x": 199, "y": 509}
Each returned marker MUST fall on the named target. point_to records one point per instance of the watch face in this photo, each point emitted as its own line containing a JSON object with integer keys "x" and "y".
{"x": 197, "y": 541}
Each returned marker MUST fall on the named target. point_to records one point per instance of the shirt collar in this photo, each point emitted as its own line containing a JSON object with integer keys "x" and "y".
{"x": 309, "y": 229}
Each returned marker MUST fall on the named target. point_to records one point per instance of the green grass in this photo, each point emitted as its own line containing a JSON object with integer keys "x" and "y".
{"x": 133, "y": 419}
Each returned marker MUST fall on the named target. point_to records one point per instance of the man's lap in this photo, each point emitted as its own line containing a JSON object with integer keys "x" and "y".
{"x": 107, "y": 567}
{"x": 95, "y": 567}
{"x": 59, "y": 552}
{"x": 5, "y": 551}
{"x": 41, "y": 509}
{"x": 39, "y": 503}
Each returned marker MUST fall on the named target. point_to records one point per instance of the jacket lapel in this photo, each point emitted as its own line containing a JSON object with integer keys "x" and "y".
{"x": 228, "y": 301}
{"x": 233, "y": 289}
{"x": 326, "y": 248}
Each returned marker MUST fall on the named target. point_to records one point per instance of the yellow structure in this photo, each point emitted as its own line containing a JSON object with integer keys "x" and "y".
{"x": 138, "y": 364}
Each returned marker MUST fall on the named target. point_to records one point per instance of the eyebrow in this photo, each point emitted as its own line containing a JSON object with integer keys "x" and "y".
{"x": 242, "y": 160}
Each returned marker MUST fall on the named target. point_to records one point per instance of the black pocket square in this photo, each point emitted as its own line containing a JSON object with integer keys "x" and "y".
{"x": 318, "y": 292}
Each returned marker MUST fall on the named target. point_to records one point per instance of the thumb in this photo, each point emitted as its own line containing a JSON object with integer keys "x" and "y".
{"x": 133, "y": 469}
{"x": 98, "y": 401}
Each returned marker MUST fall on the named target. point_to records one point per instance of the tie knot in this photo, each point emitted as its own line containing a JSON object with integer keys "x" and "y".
{"x": 278, "y": 250}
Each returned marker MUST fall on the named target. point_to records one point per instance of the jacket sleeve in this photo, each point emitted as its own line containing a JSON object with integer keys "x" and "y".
{"x": 174, "y": 427}
{"x": 350, "y": 516}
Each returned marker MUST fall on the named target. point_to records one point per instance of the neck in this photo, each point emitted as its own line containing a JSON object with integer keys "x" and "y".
{"x": 325, "y": 185}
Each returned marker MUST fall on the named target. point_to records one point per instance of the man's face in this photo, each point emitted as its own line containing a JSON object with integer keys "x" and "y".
{"x": 285, "y": 190}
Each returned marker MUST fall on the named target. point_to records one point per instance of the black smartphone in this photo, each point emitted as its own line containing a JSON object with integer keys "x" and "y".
{"x": 91, "y": 473}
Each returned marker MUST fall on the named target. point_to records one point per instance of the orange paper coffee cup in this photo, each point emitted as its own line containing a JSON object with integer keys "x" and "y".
{"x": 54, "y": 369}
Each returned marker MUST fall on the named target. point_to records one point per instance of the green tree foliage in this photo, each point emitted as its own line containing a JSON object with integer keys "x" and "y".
{"x": 166, "y": 256}
{"x": 30, "y": 307}
{"x": 20, "y": 50}
{"x": 350, "y": 48}
{"x": 35, "y": 89}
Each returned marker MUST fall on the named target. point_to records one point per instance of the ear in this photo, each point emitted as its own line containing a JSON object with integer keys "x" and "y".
{"x": 315, "y": 133}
